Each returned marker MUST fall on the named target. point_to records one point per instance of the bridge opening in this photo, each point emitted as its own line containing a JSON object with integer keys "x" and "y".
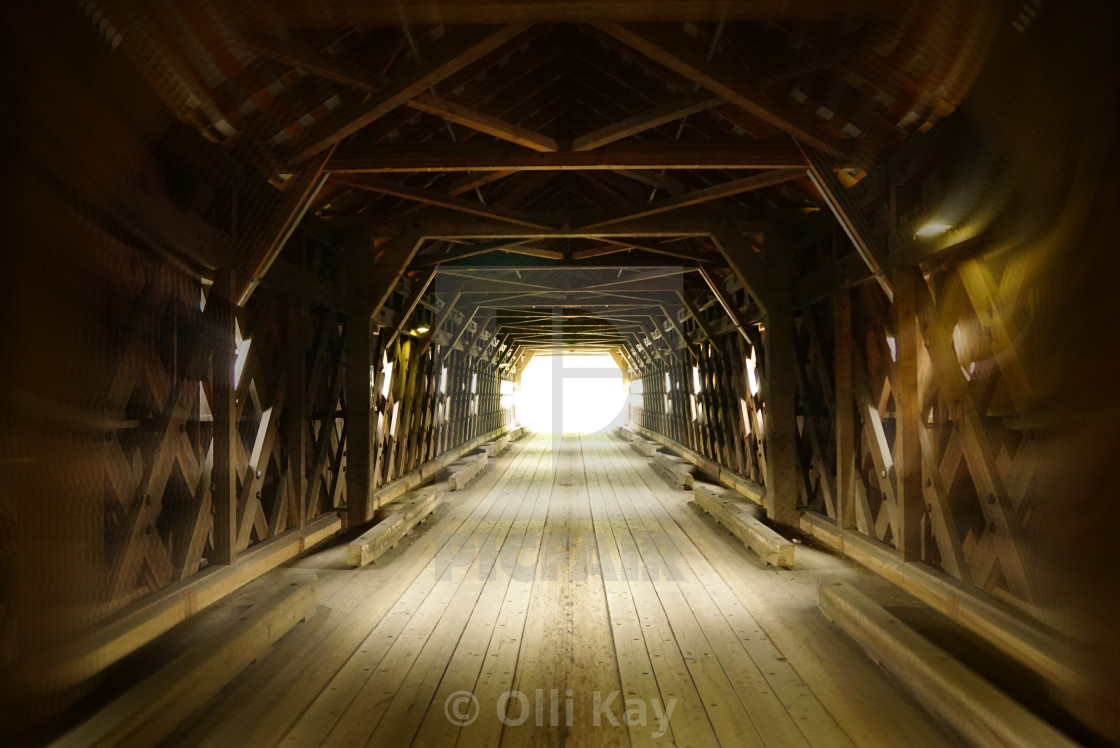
{"x": 571, "y": 393}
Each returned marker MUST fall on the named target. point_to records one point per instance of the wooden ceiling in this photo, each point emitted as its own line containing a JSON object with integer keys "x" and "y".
{"x": 551, "y": 132}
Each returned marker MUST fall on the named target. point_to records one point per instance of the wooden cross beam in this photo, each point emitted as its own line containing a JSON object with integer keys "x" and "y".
{"x": 647, "y": 120}
{"x": 461, "y": 50}
{"x": 870, "y": 246}
{"x": 264, "y": 247}
{"x": 482, "y": 323}
{"x": 444, "y": 314}
{"x": 675, "y": 53}
{"x": 483, "y": 123}
{"x": 462, "y": 329}
{"x": 694, "y": 312}
{"x": 617, "y": 246}
{"x": 706, "y": 194}
{"x": 745, "y": 263}
{"x": 419, "y": 288}
{"x": 449, "y": 225}
{"x": 439, "y": 200}
{"x": 719, "y": 290}
{"x": 634, "y": 159}
{"x": 349, "y": 13}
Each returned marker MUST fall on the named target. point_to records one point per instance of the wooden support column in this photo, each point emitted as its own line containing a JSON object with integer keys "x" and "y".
{"x": 908, "y": 417}
{"x": 845, "y": 411}
{"x": 296, "y": 408}
{"x": 359, "y": 393}
{"x": 223, "y": 407}
{"x": 782, "y": 489}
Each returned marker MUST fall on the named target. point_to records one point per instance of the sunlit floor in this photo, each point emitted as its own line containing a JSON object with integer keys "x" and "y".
{"x": 569, "y": 597}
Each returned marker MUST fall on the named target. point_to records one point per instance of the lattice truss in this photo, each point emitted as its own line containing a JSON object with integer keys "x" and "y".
{"x": 158, "y": 522}
{"x": 979, "y": 463}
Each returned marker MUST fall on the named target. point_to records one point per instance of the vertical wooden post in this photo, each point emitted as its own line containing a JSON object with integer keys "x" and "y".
{"x": 223, "y": 477}
{"x": 782, "y": 488}
{"x": 845, "y": 410}
{"x": 907, "y": 447}
{"x": 296, "y": 417}
{"x": 359, "y": 393}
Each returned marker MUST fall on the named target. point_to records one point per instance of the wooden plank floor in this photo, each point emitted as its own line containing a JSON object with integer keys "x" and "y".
{"x": 568, "y": 597}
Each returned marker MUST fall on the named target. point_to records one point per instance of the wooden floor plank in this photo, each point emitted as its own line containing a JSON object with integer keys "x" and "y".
{"x": 311, "y": 659}
{"x": 691, "y": 722}
{"x": 456, "y": 549}
{"x": 453, "y": 657}
{"x": 499, "y": 662}
{"x": 394, "y": 653}
{"x": 771, "y": 718}
{"x": 823, "y": 680}
{"x": 564, "y": 664}
{"x": 568, "y": 569}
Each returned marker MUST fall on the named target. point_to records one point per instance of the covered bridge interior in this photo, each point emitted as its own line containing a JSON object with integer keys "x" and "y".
{"x": 274, "y": 270}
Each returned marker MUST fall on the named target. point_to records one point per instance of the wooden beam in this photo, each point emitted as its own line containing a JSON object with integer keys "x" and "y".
{"x": 295, "y": 411}
{"x": 419, "y": 287}
{"x": 452, "y": 56}
{"x": 694, "y": 312}
{"x": 780, "y": 391}
{"x": 870, "y": 247}
{"x": 675, "y": 52}
{"x": 465, "y": 251}
{"x": 732, "y": 153}
{"x": 289, "y": 52}
{"x": 719, "y": 290}
{"x": 359, "y": 392}
{"x": 647, "y": 120}
{"x": 264, "y": 247}
{"x": 679, "y": 330}
{"x": 706, "y": 194}
{"x": 437, "y": 199}
{"x": 908, "y": 417}
{"x": 626, "y": 246}
{"x": 474, "y": 181}
{"x": 979, "y": 452}
{"x": 989, "y": 305}
{"x": 303, "y": 58}
{"x": 448, "y": 225}
{"x": 223, "y": 407}
{"x": 749, "y": 269}
{"x": 483, "y": 123}
{"x": 473, "y": 341}
{"x": 657, "y": 179}
{"x": 349, "y": 13}
{"x": 462, "y": 329}
{"x": 388, "y": 268}
{"x": 845, "y": 410}
{"x": 444, "y": 313}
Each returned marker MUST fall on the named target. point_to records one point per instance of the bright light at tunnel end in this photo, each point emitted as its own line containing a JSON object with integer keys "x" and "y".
{"x": 570, "y": 393}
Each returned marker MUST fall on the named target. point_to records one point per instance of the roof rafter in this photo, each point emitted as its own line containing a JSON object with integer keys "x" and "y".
{"x": 449, "y": 58}
{"x": 706, "y": 194}
{"x": 647, "y": 120}
{"x": 678, "y": 57}
{"x": 437, "y": 199}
